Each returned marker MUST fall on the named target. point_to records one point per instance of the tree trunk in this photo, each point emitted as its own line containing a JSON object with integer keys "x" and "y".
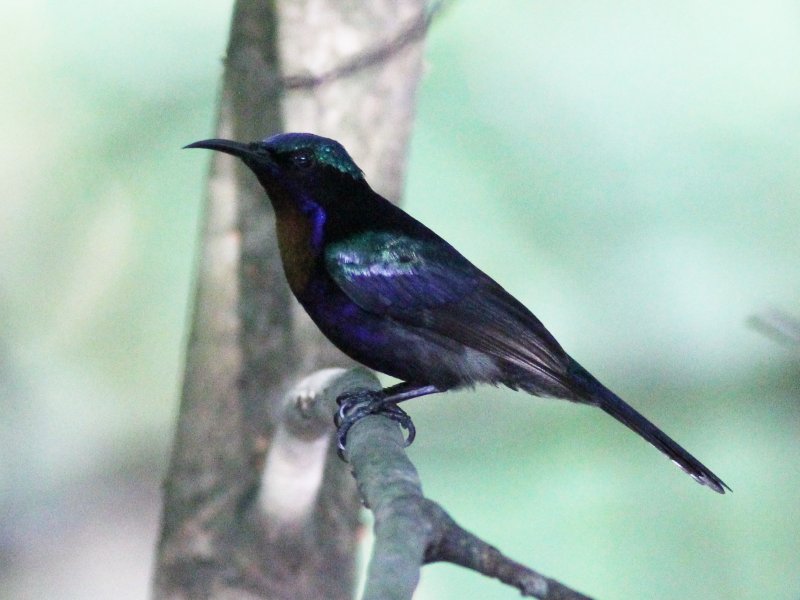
{"x": 249, "y": 339}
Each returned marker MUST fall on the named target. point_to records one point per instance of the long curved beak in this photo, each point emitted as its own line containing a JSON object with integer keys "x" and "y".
{"x": 227, "y": 146}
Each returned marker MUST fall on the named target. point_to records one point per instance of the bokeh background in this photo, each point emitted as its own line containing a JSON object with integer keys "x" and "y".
{"x": 630, "y": 171}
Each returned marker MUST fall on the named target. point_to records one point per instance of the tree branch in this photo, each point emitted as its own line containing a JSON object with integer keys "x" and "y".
{"x": 373, "y": 56}
{"x": 410, "y": 530}
{"x": 777, "y": 325}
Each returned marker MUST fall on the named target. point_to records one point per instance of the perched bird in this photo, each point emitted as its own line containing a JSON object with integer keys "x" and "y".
{"x": 396, "y": 297}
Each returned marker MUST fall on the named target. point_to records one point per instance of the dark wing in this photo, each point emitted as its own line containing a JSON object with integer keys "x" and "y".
{"x": 428, "y": 285}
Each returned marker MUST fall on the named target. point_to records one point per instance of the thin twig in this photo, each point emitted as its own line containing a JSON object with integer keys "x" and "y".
{"x": 778, "y": 325}
{"x": 458, "y": 546}
{"x": 412, "y": 32}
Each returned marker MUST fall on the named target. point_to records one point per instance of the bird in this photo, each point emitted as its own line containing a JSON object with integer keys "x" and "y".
{"x": 396, "y": 297}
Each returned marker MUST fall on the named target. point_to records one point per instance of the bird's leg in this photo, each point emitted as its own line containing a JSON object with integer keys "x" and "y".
{"x": 356, "y": 405}
{"x": 406, "y": 391}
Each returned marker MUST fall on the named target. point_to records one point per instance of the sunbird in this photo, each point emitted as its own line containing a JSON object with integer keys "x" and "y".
{"x": 397, "y": 298}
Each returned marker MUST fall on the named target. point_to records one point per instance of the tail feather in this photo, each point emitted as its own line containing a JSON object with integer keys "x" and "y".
{"x": 599, "y": 395}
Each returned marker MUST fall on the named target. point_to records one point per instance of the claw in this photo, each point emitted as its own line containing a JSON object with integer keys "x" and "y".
{"x": 354, "y": 406}
{"x": 395, "y": 413}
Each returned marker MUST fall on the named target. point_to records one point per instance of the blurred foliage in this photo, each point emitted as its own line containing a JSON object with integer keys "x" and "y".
{"x": 629, "y": 171}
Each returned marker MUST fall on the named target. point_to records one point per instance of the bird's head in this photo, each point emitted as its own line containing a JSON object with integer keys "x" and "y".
{"x": 296, "y": 166}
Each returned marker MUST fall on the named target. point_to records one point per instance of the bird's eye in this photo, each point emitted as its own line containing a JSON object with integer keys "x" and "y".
{"x": 302, "y": 159}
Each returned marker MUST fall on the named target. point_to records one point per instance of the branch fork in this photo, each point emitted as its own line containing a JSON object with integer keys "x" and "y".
{"x": 410, "y": 529}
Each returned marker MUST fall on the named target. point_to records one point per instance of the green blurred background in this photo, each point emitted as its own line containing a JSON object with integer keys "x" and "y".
{"x": 630, "y": 171}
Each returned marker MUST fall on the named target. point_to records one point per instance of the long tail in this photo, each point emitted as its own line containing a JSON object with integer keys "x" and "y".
{"x": 598, "y": 395}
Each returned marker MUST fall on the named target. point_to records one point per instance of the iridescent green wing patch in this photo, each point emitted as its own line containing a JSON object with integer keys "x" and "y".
{"x": 394, "y": 274}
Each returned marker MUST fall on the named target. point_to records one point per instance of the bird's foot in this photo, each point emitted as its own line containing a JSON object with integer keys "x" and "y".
{"x": 354, "y": 406}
